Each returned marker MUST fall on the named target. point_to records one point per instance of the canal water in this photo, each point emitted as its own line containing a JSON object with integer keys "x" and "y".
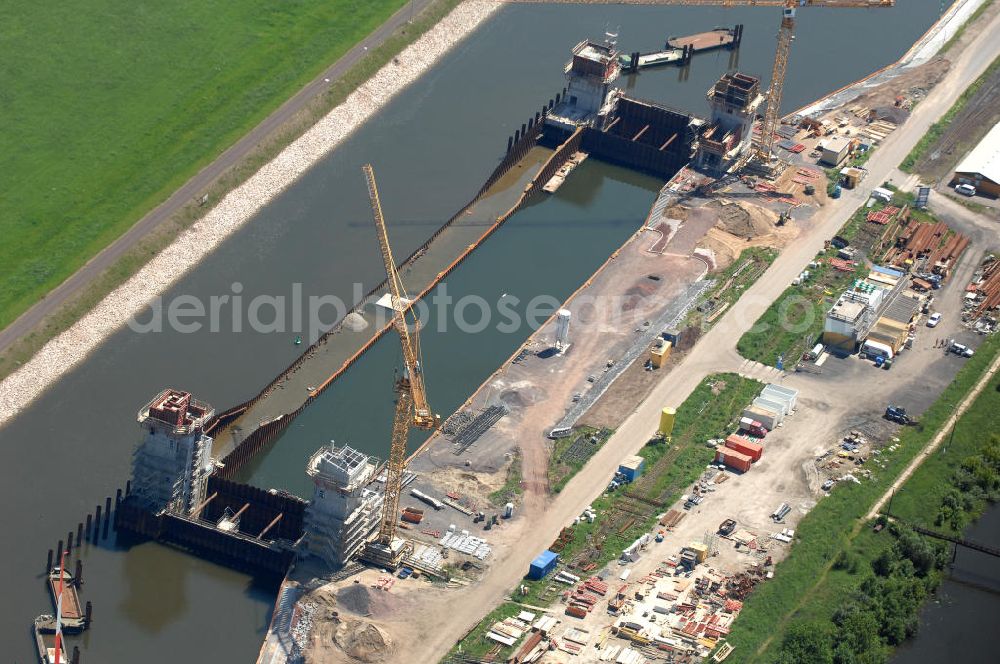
{"x": 960, "y": 622}
{"x": 432, "y": 147}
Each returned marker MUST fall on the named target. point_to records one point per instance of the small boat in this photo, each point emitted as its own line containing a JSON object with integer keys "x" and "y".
{"x": 43, "y": 628}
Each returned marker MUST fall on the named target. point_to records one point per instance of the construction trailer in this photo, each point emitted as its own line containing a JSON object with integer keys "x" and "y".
{"x": 768, "y": 418}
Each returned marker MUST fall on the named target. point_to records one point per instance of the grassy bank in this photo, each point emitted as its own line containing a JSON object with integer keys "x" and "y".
{"x": 511, "y": 488}
{"x": 961, "y": 31}
{"x": 109, "y": 218}
{"x": 833, "y": 549}
{"x": 939, "y": 128}
{"x": 570, "y": 454}
{"x": 710, "y": 411}
{"x": 730, "y": 284}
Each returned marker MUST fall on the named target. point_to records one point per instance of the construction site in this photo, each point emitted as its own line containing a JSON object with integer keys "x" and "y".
{"x": 553, "y": 499}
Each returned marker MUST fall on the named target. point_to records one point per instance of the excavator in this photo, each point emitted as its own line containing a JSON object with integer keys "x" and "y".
{"x": 412, "y": 410}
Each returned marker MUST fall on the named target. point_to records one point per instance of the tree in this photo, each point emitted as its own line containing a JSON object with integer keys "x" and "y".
{"x": 807, "y": 642}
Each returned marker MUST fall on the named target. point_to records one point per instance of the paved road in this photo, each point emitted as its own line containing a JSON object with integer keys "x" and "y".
{"x": 715, "y": 352}
{"x": 196, "y": 185}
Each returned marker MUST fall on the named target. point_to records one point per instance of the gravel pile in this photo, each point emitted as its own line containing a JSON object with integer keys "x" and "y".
{"x": 355, "y": 598}
{"x": 72, "y": 346}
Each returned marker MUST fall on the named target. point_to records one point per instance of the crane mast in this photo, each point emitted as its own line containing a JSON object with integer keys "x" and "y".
{"x": 772, "y": 113}
{"x": 412, "y": 409}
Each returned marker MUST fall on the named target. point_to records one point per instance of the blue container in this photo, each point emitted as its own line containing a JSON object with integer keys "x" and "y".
{"x": 632, "y": 468}
{"x": 544, "y": 563}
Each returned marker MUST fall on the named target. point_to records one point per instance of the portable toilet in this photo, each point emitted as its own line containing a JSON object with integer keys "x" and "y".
{"x": 632, "y": 467}
{"x": 544, "y": 563}
{"x": 667, "y": 417}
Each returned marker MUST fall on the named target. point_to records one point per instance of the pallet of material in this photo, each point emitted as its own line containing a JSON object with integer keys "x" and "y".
{"x": 672, "y": 518}
{"x": 576, "y": 635}
{"x": 571, "y": 648}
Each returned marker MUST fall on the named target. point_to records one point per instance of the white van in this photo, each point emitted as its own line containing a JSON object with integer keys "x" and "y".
{"x": 965, "y": 189}
{"x": 874, "y": 349}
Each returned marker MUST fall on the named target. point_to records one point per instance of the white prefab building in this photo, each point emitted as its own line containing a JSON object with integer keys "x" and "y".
{"x": 789, "y": 394}
{"x": 343, "y": 511}
{"x": 171, "y": 464}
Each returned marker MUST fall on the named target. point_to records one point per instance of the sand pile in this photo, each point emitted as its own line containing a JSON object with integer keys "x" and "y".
{"x": 362, "y": 640}
{"x": 355, "y": 322}
{"x": 72, "y": 346}
{"x": 743, "y": 220}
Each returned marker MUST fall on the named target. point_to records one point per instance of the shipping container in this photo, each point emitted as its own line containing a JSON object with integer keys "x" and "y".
{"x": 744, "y": 446}
{"x": 733, "y": 459}
{"x": 544, "y": 563}
{"x": 576, "y": 611}
{"x": 632, "y": 467}
{"x": 412, "y": 517}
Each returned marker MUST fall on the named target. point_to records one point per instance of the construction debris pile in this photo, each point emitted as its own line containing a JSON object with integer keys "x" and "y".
{"x": 982, "y": 297}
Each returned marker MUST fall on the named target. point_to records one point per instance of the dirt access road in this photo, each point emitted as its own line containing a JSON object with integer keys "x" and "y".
{"x": 190, "y": 191}
{"x": 715, "y": 352}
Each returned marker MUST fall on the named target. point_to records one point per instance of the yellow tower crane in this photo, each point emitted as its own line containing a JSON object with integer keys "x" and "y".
{"x": 412, "y": 409}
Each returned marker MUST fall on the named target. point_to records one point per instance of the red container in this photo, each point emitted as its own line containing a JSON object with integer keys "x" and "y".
{"x": 744, "y": 446}
{"x": 576, "y": 611}
{"x": 733, "y": 459}
{"x": 412, "y": 517}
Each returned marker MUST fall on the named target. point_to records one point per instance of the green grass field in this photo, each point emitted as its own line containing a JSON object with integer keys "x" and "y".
{"x": 108, "y": 106}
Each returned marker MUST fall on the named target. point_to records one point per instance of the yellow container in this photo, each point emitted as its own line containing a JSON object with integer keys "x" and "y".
{"x": 701, "y": 551}
{"x": 659, "y": 355}
{"x": 667, "y": 416}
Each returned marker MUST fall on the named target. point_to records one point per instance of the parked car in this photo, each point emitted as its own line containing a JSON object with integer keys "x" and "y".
{"x": 965, "y": 189}
{"x": 961, "y": 349}
{"x": 827, "y": 485}
{"x": 934, "y": 319}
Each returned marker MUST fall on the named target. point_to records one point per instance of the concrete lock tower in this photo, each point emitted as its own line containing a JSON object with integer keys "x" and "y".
{"x": 344, "y": 511}
{"x": 590, "y": 75}
{"x": 171, "y": 464}
{"x": 734, "y": 100}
